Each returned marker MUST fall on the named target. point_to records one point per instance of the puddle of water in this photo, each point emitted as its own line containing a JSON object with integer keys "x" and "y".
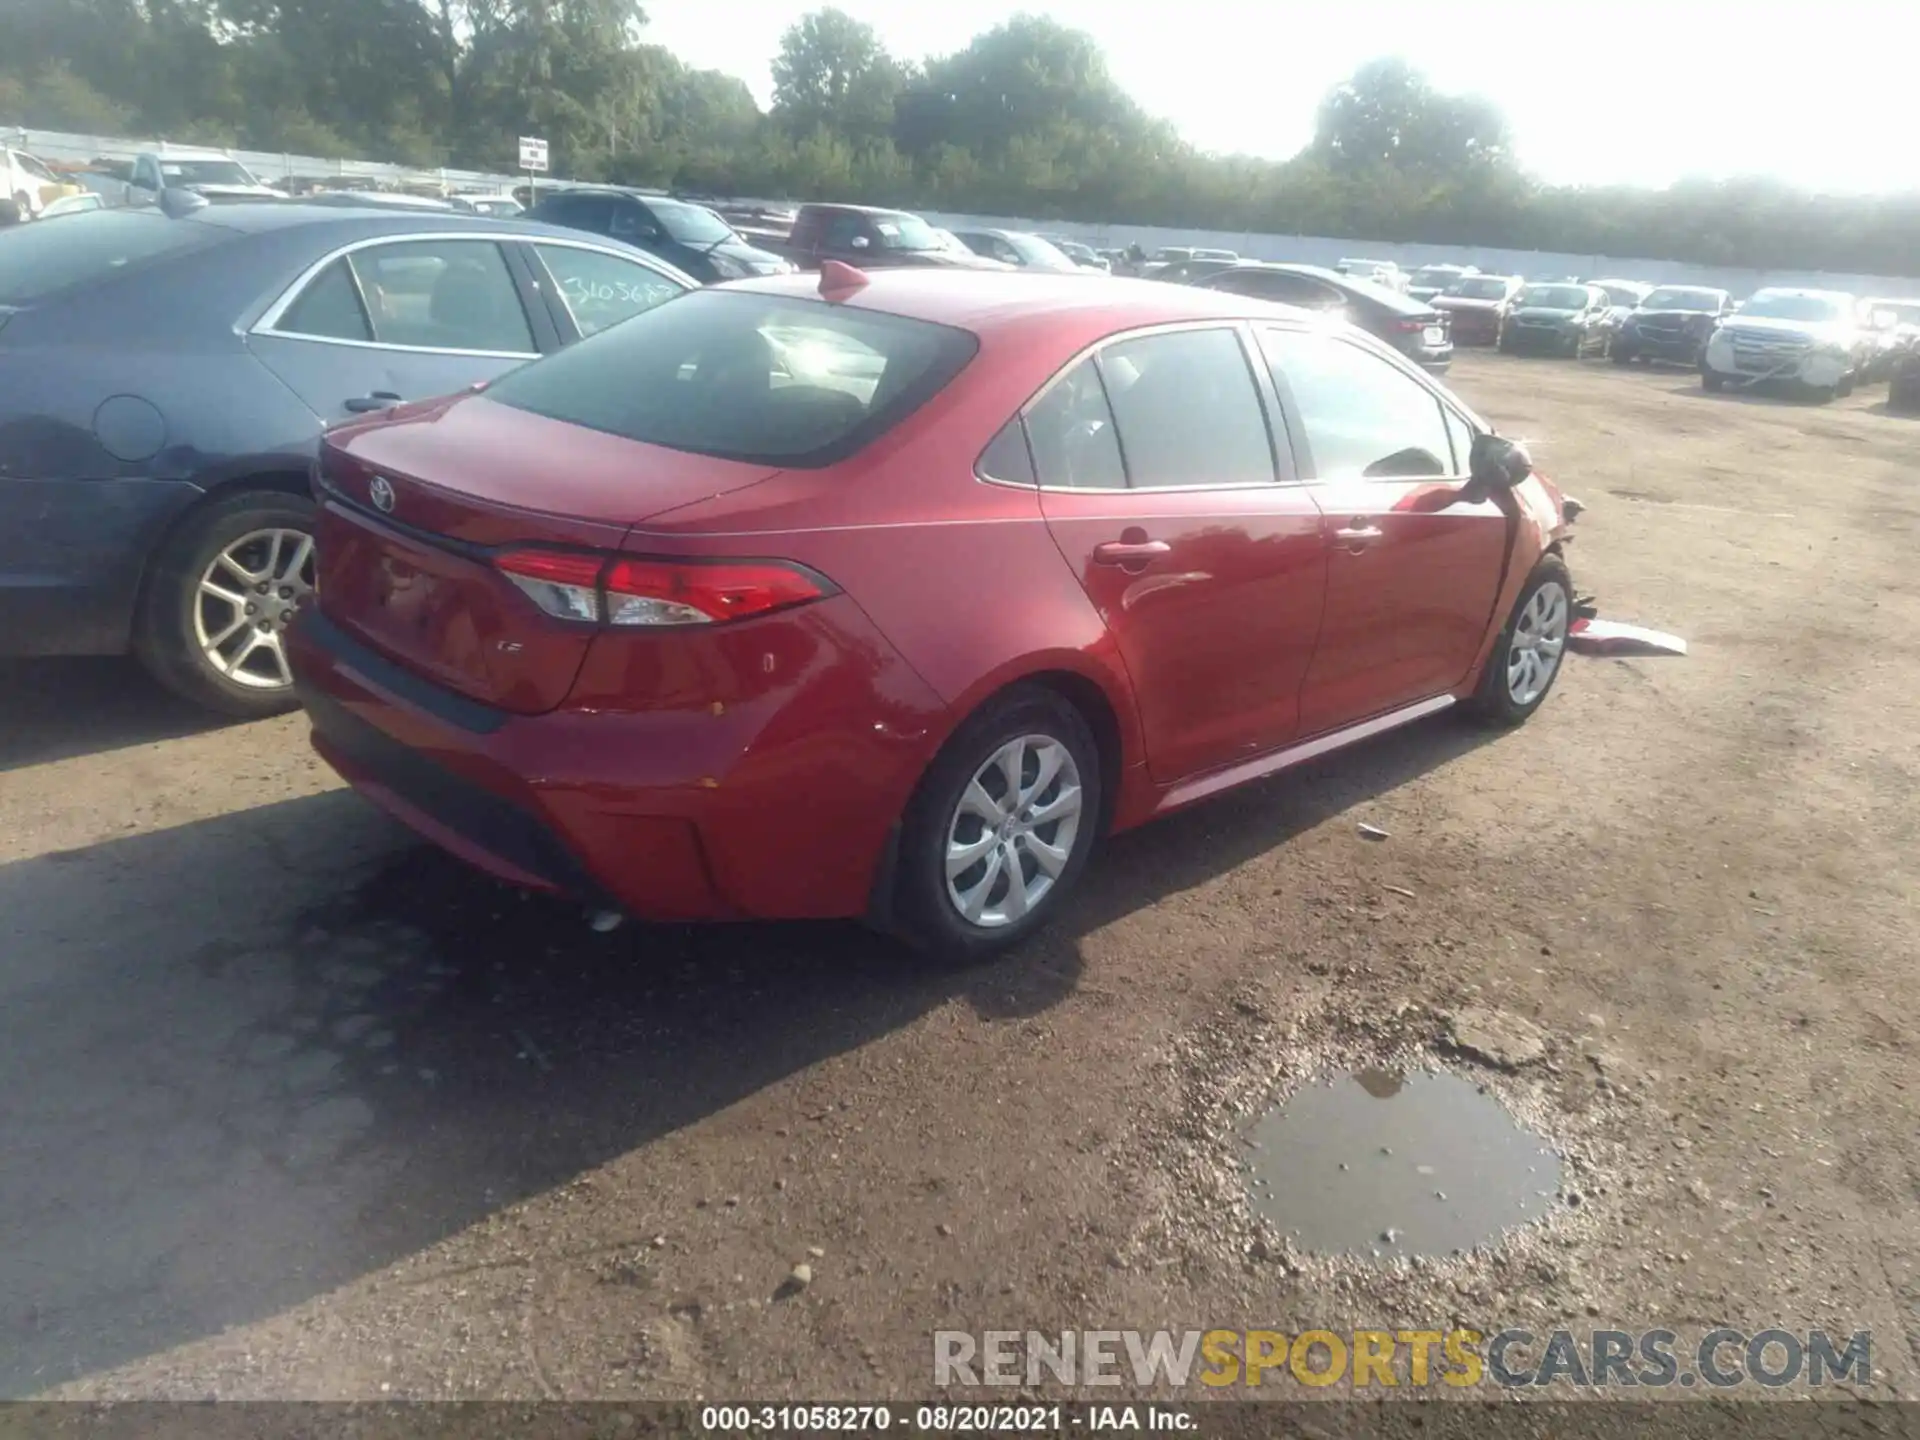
{"x": 1384, "y": 1164}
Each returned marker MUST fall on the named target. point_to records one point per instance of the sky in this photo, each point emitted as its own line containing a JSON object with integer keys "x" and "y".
{"x": 1627, "y": 92}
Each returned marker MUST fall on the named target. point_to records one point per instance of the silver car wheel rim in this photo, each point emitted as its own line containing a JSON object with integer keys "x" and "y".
{"x": 244, "y": 602}
{"x": 1012, "y": 832}
{"x": 1539, "y": 641}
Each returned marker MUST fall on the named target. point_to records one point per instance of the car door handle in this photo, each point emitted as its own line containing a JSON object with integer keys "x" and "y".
{"x": 1129, "y": 552}
{"x": 367, "y": 404}
{"x": 1357, "y": 536}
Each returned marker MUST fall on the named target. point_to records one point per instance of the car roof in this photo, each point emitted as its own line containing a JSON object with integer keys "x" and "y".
{"x": 188, "y": 152}
{"x": 260, "y": 218}
{"x": 985, "y": 301}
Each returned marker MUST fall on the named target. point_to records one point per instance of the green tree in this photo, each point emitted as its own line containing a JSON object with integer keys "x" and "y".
{"x": 833, "y": 74}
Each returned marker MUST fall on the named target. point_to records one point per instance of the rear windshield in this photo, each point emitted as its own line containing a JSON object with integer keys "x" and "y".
{"x": 39, "y": 260}
{"x": 745, "y": 377}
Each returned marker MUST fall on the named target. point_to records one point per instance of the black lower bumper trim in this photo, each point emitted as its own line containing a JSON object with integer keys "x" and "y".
{"x": 496, "y": 825}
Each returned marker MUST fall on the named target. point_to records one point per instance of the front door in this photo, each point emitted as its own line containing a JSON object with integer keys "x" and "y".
{"x": 406, "y": 319}
{"x": 1159, "y": 484}
{"x": 1414, "y": 566}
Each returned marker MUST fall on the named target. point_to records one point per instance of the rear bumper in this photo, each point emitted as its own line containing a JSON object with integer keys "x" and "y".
{"x": 1536, "y": 338}
{"x": 72, "y": 556}
{"x": 703, "y": 813}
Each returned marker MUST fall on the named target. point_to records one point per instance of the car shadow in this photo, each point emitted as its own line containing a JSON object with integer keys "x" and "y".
{"x": 1885, "y": 407}
{"x": 59, "y": 709}
{"x": 252, "y": 1058}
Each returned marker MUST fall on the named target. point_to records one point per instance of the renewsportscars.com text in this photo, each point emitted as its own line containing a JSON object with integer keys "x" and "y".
{"x": 1715, "y": 1360}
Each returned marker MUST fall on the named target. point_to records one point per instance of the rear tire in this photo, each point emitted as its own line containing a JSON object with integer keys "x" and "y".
{"x": 1712, "y": 381}
{"x": 968, "y": 813}
{"x": 1622, "y": 357}
{"x": 24, "y": 204}
{"x": 213, "y": 650}
{"x": 1511, "y": 687}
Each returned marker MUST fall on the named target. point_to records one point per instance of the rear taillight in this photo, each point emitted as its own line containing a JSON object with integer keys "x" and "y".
{"x": 626, "y": 591}
{"x": 1414, "y": 326}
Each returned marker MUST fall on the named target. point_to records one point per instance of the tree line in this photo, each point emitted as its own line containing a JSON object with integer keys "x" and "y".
{"x": 1026, "y": 120}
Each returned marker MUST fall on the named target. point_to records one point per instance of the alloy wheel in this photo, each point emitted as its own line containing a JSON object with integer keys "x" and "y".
{"x": 1012, "y": 832}
{"x": 246, "y": 599}
{"x": 1539, "y": 642}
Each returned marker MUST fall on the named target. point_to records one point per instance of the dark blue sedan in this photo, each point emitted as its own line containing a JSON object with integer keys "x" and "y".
{"x": 164, "y": 381}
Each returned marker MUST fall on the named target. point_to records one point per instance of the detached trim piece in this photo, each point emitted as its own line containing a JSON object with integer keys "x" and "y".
{"x": 1272, "y": 762}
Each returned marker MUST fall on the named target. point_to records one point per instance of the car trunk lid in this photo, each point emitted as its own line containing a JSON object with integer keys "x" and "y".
{"x": 420, "y": 510}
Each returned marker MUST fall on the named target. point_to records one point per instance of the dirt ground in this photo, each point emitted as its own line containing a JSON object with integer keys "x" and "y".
{"x": 292, "y": 1107}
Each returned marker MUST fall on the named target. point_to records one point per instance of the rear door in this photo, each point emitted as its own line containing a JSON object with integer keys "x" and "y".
{"x": 1164, "y": 491}
{"x": 1414, "y": 566}
{"x": 403, "y": 318}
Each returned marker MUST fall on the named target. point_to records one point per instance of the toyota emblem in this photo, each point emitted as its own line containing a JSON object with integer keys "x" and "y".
{"x": 381, "y": 493}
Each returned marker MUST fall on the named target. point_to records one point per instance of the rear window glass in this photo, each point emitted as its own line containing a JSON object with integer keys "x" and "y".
{"x": 745, "y": 377}
{"x": 40, "y": 260}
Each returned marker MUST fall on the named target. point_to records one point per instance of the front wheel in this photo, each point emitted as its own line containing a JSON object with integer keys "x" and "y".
{"x": 1712, "y": 381}
{"x": 1001, "y": 826}
{"x": 23, "y": 202}
{"x": 1526, "y": 659}
{"x": 219, "y": 597}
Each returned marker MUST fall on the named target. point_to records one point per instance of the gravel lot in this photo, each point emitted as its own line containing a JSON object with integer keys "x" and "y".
{"x": 295, "y": 1108}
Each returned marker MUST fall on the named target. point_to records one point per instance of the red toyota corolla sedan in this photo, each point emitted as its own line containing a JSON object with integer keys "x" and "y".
{"x": 888, "y": 595}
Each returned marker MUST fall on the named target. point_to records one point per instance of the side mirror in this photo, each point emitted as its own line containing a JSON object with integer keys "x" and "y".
{"x": 1495, "y": 463}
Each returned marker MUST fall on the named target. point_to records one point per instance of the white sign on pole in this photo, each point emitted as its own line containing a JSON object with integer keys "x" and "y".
{"x": 533, "y": 153}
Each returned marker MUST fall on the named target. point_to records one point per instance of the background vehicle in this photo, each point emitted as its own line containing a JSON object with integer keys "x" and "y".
{"x": 30, "y": 184}
{"x": 1807, "y": 338}
{"x": 1475, "y": 305}
{"x": 1903, "y": 377}
{"x": 1565, "y": 319}
{"x": 163, "y": 384}
{"x": 1016, "y": 249}
{"x": 1189, "y": 272}
{"x": 1672, "y": 323}
{"x": 1085, "y": 256}
{"x": 1431, "y": 281}
{"x": 1889, "y": 324}
{"x": 500, "y": 207}
{"x": 962, "y": 571}
{"x": 872, "y": 238}
{"x": 213, "y": 174}
{"x": 1416, "y": 330}
{"x": 689, "y": 237}
{"x": 1622, "y": 297}
{"x": 1194, "y": 260}
{"x": 1380, "y": 272}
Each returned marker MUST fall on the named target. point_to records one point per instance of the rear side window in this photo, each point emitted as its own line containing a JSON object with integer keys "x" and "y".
{"x": 329, "y": 307}
{"x": 40, "y": 260}
{"x": 746, "y": 377}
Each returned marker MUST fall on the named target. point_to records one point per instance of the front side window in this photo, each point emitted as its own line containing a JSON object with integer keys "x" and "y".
{"x": 1187, "y": 411}
{"x": 602, "y": 290}
{"x": 1363, "y": 417}
{"x": 746, "y": 377}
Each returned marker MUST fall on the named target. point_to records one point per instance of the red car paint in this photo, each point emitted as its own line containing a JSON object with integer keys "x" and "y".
{"x": 757, "y": 768}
